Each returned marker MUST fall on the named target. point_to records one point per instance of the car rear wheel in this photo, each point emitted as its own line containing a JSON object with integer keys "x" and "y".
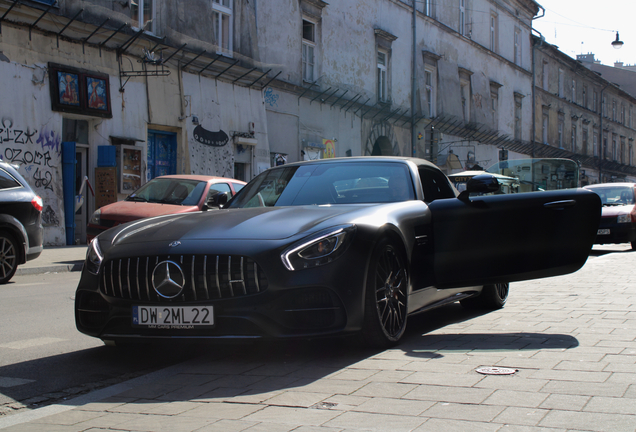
{"x": 8, "y": 256}
{"x": 491, "y": 297}
{"x": 386, "y": 296}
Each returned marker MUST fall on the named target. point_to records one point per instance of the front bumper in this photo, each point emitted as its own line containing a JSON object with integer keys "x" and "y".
{"x": 321, "y": 301}
{"x": 618, "y": 233}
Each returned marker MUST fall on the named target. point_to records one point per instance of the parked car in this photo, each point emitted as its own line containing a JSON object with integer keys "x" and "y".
{"x": 618, "y": 218}
{"x": 21, "y": 232}
{"x": 165, "y": 195}
{"x": 297, "y": 254}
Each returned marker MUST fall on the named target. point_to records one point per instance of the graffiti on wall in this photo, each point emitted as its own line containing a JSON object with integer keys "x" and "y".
{"x": 271, "y": 99}
{"x": 37, "y": 152}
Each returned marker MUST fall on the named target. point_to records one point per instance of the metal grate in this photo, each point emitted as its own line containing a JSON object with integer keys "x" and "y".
{"x": 207, "y": 277}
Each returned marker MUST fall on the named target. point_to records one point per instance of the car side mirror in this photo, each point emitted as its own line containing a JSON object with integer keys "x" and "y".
{"x": 217, "y": 200}
{"x": 483, "y": 183}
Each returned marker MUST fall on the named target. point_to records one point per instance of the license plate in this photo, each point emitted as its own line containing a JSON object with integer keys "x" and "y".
{"x": 172, "y": 317}
{"x": 605, "y": 231}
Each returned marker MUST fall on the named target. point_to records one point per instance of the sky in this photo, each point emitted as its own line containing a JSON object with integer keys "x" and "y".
{"x": 589, "y": 26}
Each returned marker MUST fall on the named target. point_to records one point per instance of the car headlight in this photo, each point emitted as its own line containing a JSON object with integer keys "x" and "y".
{"x": 95, "y": 218}
{"x": 624, "y": 218}
{"x": 319, "y": 249}
{"x": 94, "y": 257}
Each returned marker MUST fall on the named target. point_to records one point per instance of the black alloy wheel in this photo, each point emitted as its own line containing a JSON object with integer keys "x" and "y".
{"x": 386, "y": 296}
{"x": 492, "y": 297}
{"x": 8, "y": 256}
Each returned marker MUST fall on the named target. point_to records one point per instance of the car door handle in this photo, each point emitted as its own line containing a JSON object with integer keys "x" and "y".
{"x": 559, "y": 205}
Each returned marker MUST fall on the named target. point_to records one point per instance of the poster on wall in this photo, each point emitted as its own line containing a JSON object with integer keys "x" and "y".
{"x": 79, "y": 91}
{"x": 330, "y": 148}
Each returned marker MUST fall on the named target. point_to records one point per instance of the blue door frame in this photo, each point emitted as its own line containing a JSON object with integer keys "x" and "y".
{"x": 162, "y": 153}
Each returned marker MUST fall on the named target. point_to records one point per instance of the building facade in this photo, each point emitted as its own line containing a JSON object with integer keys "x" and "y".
{"x": 581, "y": 115}
{"x": 232, "y": 87}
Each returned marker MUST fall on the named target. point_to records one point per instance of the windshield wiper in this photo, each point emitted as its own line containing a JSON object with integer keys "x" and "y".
{"x": 136, "y": 199}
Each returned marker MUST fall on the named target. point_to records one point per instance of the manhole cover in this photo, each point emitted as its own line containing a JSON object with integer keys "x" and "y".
{"x": 496, "y": 371}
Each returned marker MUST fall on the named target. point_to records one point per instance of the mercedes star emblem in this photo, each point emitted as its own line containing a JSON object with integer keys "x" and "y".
{"x": 168, "y": 279}
{"x": 174, "y": 244}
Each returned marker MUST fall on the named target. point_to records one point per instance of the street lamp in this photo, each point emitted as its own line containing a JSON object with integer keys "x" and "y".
{"x": 617, "y": 44}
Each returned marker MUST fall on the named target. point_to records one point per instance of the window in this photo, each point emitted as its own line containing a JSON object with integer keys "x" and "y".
{"x": 560, "y": 136}
{"x": 545, "y": 76}
{"x": 573, "y": 138}
{"x": 544, "y": 130}
{"x": 614, "y": 148}
{"x": 382, "y": 79}
{"x": 429, "y": 79}
{"x": 623, "y": 114}
{"x": 493, "y": 32}
{"x": 464, "y": 91}
{"x": 142, "y": 13}
{"x": 309, "y": 48}
{"x": 561, "y": 83}
{"x": 614, "y": 109}
{"x": 585, "y": 137}
{"x": 631, "y": 152}
{"x": 222, "y": 25}
{"x": 595, "y": 144}
{"x": 622, "y": 157}
{"x": 574, "y": 91}
{"x": 604, "y": 107}
{"x": 7, "y": 181}
{"x": 462, "y": 17}
{"x": 494, "y": 103}
{"x": 517, "y": 117}
{"x": 517, "y": 47}
{"x": 584, "y": 96}
{"x": 595, "y": 102}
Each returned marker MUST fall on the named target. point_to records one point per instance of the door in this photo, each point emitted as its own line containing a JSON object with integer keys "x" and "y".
{"x": 507, "y": 238}
{"x": 162, "y": 154}
{"x": 81, "y": 215}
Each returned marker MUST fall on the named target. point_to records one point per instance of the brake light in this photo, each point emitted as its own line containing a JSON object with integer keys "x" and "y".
{"x": 37, "y": 203}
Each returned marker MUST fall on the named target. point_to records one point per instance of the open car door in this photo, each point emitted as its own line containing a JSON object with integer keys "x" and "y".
{"x": 506, "y": 238}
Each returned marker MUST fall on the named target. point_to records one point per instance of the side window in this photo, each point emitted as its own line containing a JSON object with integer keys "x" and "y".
{"x": 238, "y": 186}
{"x": 219, "y": 187}
{"x": 7, "y": 181}
{"x": 435, "y": 185}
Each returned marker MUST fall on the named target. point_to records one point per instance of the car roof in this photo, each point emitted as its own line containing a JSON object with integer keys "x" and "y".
{"x": 362, "y": 159}
{"x": 199, "y": 177}
{"x": 607, "y": 185}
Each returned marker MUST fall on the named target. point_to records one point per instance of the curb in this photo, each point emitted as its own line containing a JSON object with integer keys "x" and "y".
{"x": 50, "y": 269}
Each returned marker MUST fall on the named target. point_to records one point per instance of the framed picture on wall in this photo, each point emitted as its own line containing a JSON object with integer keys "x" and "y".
{"x": 97, "y": 92}
{"x": 79, "y": 91}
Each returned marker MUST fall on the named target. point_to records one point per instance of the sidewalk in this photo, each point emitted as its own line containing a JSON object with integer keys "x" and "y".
{"x": 570, "y": 342}
{"x": 55, "y": 259}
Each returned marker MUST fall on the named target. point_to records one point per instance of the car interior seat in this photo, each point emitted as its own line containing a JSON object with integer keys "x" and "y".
{"x": 180, "y": 193}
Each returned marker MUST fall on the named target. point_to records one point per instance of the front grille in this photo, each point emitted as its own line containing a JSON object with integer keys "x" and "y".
{"x": 207, "y": 277}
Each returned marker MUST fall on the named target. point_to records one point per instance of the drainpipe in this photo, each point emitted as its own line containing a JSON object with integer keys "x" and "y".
{"x": 534, "y": 85}
{"x": 413, "y": 82}
{"x": 602, "y": 155}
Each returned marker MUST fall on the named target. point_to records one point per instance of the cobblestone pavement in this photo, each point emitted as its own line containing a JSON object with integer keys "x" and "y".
{"x": 571, "y": 340}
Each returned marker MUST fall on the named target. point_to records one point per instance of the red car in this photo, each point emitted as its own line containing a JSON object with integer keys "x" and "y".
{"x": 165, "y": 195}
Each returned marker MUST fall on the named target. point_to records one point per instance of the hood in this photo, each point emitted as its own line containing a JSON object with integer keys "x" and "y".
{"x": 612, "y": 211}
{"x": 262, "y": 223}
{"x": 125, "y": 211}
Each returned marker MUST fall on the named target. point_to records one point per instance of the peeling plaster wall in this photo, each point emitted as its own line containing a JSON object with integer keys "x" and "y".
{"x": 224, "y": 107}
{"x": 32, "y": 132}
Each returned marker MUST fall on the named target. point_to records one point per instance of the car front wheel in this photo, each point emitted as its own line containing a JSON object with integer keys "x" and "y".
{"x": 8, "y": 256}
{"x": 386, "y": 296}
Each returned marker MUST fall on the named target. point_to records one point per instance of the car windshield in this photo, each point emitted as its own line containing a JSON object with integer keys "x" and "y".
{"x": 170, "y": 191}
{"x": 328, "y": 183}
{"x": 615, "y": 195}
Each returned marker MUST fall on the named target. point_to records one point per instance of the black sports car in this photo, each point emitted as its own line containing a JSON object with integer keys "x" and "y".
{"x": 329, "y": 247}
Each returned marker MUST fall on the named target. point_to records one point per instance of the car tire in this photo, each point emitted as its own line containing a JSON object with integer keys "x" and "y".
{"x": 8, "y": 256}
{"x": 634, "y": 245}
{"x": 385, "y": 311}
{"x": 491, "y": 297}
